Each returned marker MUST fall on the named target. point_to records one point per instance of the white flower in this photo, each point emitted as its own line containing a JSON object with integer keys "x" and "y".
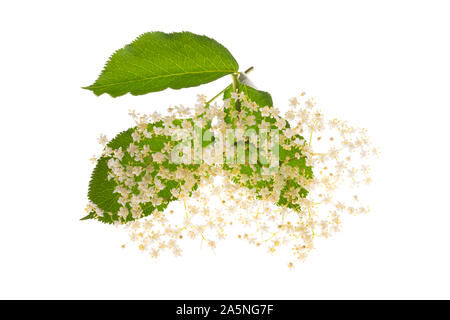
{"x": 118, "y": 153}
{"x": 293, "y": 102}
{"x": 123, "y": 212}
{"x": 132, "y": 149}
{"x": 158, "y": 157}
{"x": 265, "y": 112}
{"x": 102, "y": 140}
{"x": 281, "y": 123}
{"x": 136, "y": 136}
{"x": 175, "y": 192}
{"x": 288, "y": 133}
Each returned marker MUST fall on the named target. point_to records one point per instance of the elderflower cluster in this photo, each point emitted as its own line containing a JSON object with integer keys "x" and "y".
{"x": 280, "y": 201}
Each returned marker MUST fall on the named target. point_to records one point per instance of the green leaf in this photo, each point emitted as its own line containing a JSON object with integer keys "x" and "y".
{"x": 286, "y": 156}
{"x": 261, "y": 98}
{"x": 156, "y": 61}
{"x": 102, "y": 188}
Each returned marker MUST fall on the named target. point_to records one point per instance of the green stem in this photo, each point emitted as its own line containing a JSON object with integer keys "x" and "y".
{"x": 235, "y": 88}
{"x": 249, "y": 70}
{"x": 235, "y": 85}
{"x": 235, "y": 82}
{"x": 217, "y": 95}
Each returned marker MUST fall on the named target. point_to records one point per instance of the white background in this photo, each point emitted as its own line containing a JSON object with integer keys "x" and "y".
{"x": 383, "y": 65}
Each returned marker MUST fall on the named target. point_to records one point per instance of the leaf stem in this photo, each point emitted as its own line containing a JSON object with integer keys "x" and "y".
{"x": 235, "y": 88}
{"x": 249, "y": 70}
{"x": 235, "y": 81}
{"x": 215, "y": 97}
